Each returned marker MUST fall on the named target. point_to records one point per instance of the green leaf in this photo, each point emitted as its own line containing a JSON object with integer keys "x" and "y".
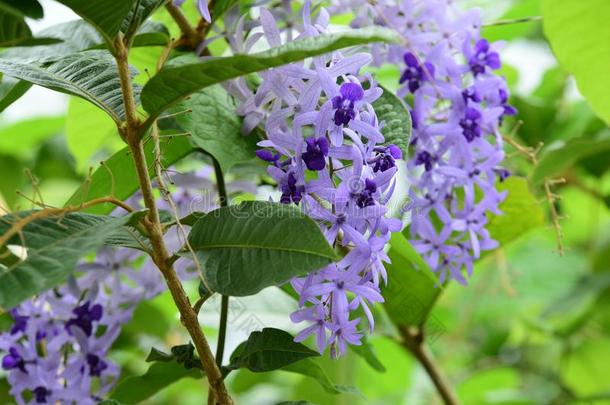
{"x": 139, "y": 17}
{"x": 76, "y": 36}
{"x": 25, "y": 8}
{"x": 412, "y": 287}
{"x": 88, "y": 131}
{"x": 91, "y": 75}
{"x": 579, "y": 34}
{"x": 557, "y": 160}
{"x": 174, "y": 83}
{"x": 521, "y": 212}
{"x": 257, "y": 244}
{"x": 105, "y": 15}
{"x": 11, "y": 90}
{"x": 392, "y": 111}
{"x": 367, "y": 352}
{"x": 310, "y": 368}
{"x": 215, "y": 127}
{"x": 22, "y": 138}
{"x": 519, "y": 10}
{"x": 220, "y": 7}
{"x": 161, "y": 374}
{"x": 13, "y": 29}
{"x": 118, "y": 177}
{"x": 269, "y": 350}
{"x": 54, "y": 245}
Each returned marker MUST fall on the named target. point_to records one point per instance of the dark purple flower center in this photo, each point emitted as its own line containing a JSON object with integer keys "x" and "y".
{"x": 40, "y": 394}
{"x": 385, "y": 158}
{"x": 315, "y": 155}
{"x": 345, "y": 103}
{"x": 365, "y": 198}
{"x": 424, "y": 158}
{"x": 268, "y": 156}
{"x": 290, "y": 191}
{"x": 13, "y": 360}
{"x": 483, "y": 57}
{"x": 415, "y": 73}
{"x": 85, "y": 316}
{"x": 96, "y": 365}
{"x": 470, "y": 124}
{"x": 20, "y": 322}
{"x": 471, "y": 93}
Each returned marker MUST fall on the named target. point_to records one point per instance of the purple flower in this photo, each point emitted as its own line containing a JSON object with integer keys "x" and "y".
{"x": 291, "y": 192}
{"x": 385, "y": 158}
{"x": 365, "y": 197}
{"x": 96, "y": 365}
{"x": 40, "y": 394}
{"x": 20, "y": 322}
{"x": 343, "y": 334}
{"x": 315, "y": 156}
{"x": 424, "y": 158}
{"x": 415, "y": 73}
{"x": 13, "y": 360}
{"x": 483, "y": 57}
{"x": 85, "y": 316}
{"x": 471, "y": 124}
{"x": 344, "y": 104}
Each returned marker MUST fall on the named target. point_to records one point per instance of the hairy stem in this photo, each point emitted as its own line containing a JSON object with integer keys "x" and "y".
{"x": 190, "y": 37}
{"x": 224, "y": 305}
{"x": 152, "y": 223}
{"x": 413, "y": 341}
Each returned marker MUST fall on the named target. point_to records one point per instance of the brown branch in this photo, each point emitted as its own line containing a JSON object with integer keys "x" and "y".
{"x": 413, "y": 341}
{"x": 160, "y": 254}
{"x": 49, "y": 212}
{"x": 190, "y": 37}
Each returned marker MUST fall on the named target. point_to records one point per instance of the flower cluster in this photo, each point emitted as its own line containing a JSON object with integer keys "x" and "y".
{"x": 56, "y": 350}
{"x": 457, "y": 105}
{"x": 326, "y": 152}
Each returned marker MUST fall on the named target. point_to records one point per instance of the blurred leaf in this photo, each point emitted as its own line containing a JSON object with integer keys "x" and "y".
{"x": 117, "y": 176}
{"x": 491, "y": 387}
{"x": 174, "y": 83}
{"x": 88, "y": 130}
{"x": 245, "y": 248}
{"x": 90, "y": 75}
{"x": 367, "y": 352}
{"x": 13, "y": 29}
{"x": 310, "y": 368}
{"x": 412, "y": 287}
{"x": 553, "y": 84}
{"x": 148, "y": 319}
{"x": 578, "y": 32}
{"x": 105, "y": 15}
{"x": 22, "y": 138}
{"x": 27, "y": 8}
{"x": 54, "y": 245}
{"x": 11, "y": 90}
{"x": 220, "y": 6}
{"x": 160, "y": 375}
{"x": 215, "y": 127}
{"x": 521, "y": 211}
{"x": 392, "y": 111}
{"x": 585, "y": 369}
{"x": 555, "y": 161}
{"x": 269, "y": 350}
{"x": 507, "y": 32}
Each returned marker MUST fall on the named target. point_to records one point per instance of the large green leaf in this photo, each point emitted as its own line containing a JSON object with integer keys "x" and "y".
{"x": 556, "y": 160}
{"x": 138, "y": 16}
{"x": 54, "y": 245}
{"x": 76, "y": 36}
{"x": 215, "y": 127}
{"x": 521, "y": 212}
{"x": 25, "y": 8}
{"x": 90, "y": 75}
{"x": 13, "y": 29}
{"x": 269, "y": 349}
{"x": 174, "y": 83}
{"x": 393, "y": 112}
{"x": 412, "y": 287}
{"x": 165, "y": 371}
{"x": 88, "y": 132}
{"x": 118, "y": 175}
{"x": 105, "y": 15}
{"x": 310, "y": 368}
{"x": 579, "y": 34}
{"x": 11, "y": 90}
{"x": 22, "y": 138}
{"x": 257, "y": 244}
